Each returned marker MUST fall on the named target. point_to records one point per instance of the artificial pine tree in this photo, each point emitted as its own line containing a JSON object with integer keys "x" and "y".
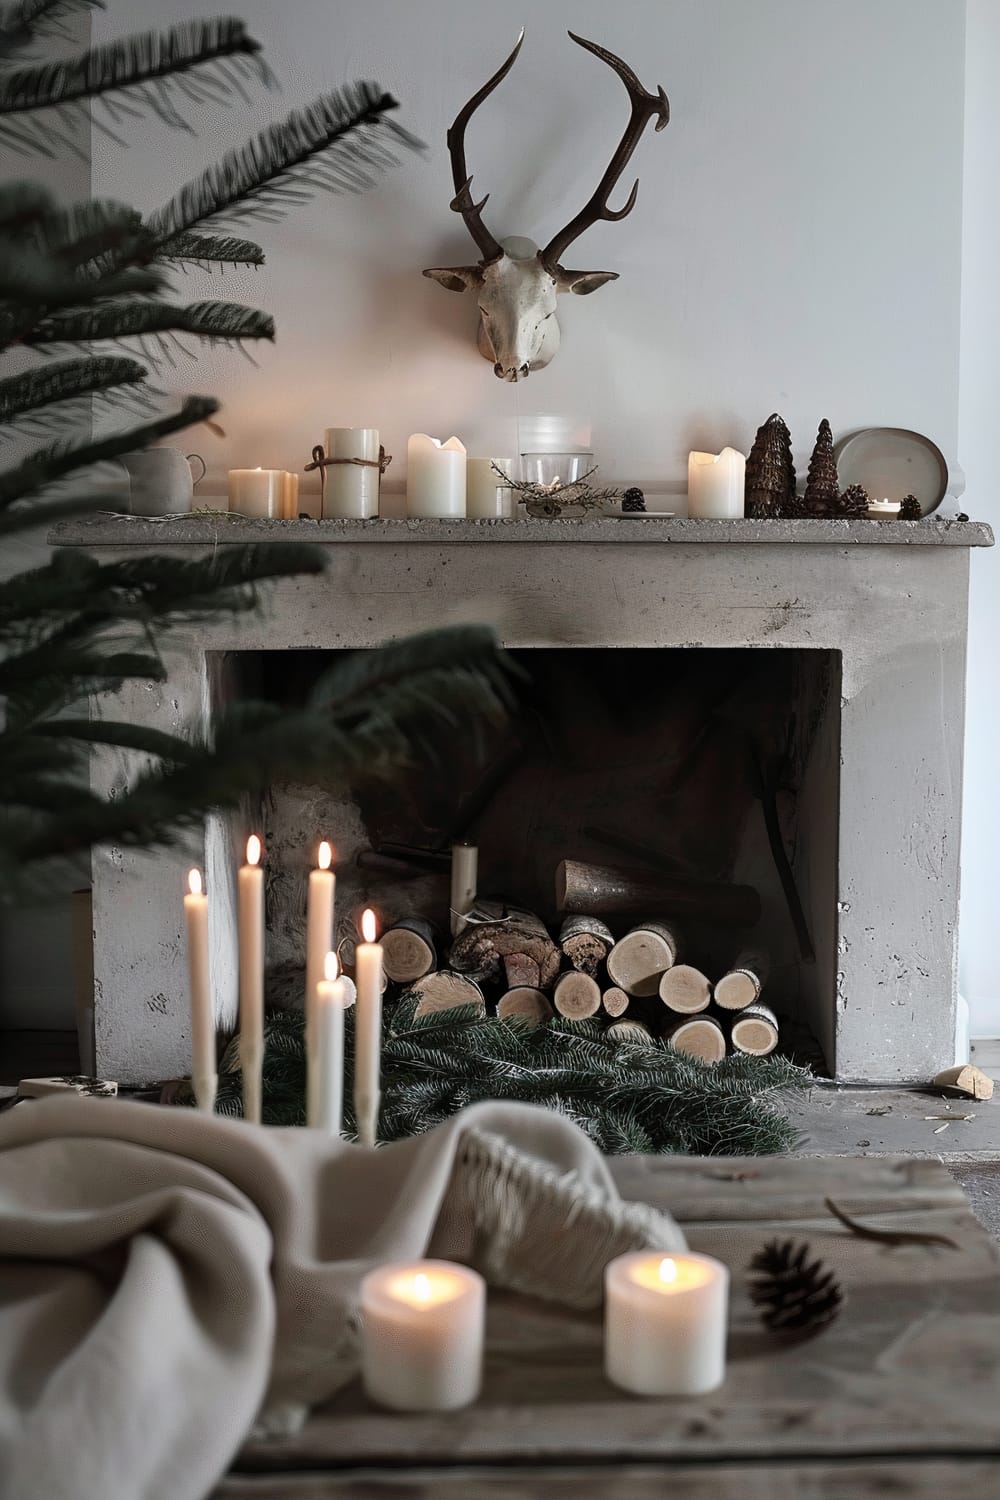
{"x": 770, "y": 476}
{"x": 89, "y": 285}
{"x": 822, "y": 486}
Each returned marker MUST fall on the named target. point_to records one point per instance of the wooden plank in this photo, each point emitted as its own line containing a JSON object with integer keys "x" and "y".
{"x": 931, "y": 1480}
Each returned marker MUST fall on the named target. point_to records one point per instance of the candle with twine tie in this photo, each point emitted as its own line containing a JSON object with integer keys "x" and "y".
{"x": 357, "y": 461}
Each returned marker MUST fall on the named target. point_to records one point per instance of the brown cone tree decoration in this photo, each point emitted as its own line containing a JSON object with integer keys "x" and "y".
{"x": 910, "y": 509}
{"x": 770, "y": 481}
{"x": 822, "y": 485}
{"x": 854, "y": 502}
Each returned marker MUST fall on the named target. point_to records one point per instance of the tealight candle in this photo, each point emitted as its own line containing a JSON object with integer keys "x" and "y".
{"x": 422, "y": 1329}
{"x": 716, "y": 484}
{"x": 260, "y": 493}
{"x": 665, "y": 1323}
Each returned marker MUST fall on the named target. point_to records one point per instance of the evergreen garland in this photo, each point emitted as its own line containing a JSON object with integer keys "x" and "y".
{"x": 626, "y": 1098}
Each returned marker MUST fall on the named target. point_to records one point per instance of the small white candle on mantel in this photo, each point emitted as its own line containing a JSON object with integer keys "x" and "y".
{"x": 422, "y": 1328}
{"x": 885, "y": 509}
{"x": 464, "y": 877}
{"x": 486, "y": 496}
{"x": 435, "y": 477}
{"x": 332, "y": 1000}
{"x": 258, "y": 493}
{"x": 351, "y": 489}
{"x": 320, "y": 900}
{"x": 665, "y": 1320}
{"x": 204, "y": 1077}
{"x": 368, "y": 1032}
{"x": 716, "y": 483}
{"x": 251, "y": 976}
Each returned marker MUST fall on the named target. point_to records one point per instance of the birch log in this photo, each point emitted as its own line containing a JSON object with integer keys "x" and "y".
{"x": 755, "y": 1030}
{"x": 685, "y": 989}
{"x": 633, "y": 1032}
{"x": 636, "y": 963}
{"x": 408, "y": 951}
{"x": 525, "y": 1003}
{"x": 615, "y": 1001}
{"x": 701, "y": 1037}
{"x": 577, "y": 996}
{"x": 588, "y": 888}
{"x": 586, "y": 941}
{"x": 742, "y": 985}
{"x": 444, "y": 991}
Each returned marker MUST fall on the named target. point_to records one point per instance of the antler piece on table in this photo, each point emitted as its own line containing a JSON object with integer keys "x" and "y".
{"x": 645, "y": 107}
{"x": 462, "y": 202}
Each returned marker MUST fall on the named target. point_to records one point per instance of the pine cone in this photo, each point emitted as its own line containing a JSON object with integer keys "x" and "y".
{"x": 633, "y": 501}
{"x": 794, "y": 509}
{"x": 911, "y": 509}
{"x": 794, "y": 1294}
{"x": 854, "y": 501}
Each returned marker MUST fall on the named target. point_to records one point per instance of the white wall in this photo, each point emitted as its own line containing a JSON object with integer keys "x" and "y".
{"x": 980, "y": 405}
{"x": 795, "y": 245}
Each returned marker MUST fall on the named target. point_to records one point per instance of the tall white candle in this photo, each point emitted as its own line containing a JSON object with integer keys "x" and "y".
{"x": 716, "y": 483}
{"x": 351, "y": 490}
{"x": 368, "y": 1032}
{"x": 259, "y": 493}
{"x": 435, "y": 477}
{"x": 422, "y": 1328}
{"x": 251, "y": 972}
{"x": 319, "y": 940}
{"x": 464, "y": 875}
{"x": 331, "y": 1002}
{"x": 204, "y": 1078}
{"x": 486, "y": 497}
{"x": 665, "y": 1323}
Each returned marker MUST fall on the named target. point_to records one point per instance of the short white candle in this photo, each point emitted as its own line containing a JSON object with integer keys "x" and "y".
{"x": 464, "y": 875}
{"x": 422, "y": 1329}
{"x": 351, "y": 490}
{"x": 368, "y": 1032}
{"x": 435, "y": 477}
{"x": 259, "y": 493}
{"x": 204, "y": 1077}
{"x": 290, "y": 498}
{"x": 665, "y": 1323}
{"x": 331, "y": 1002}
{"x": 320, "y": 901}
{"x": 486, "y": 497}
{"x": 251, "y": 974}
{"x": 716, "y": 483}
{"x": 884, "y": 508}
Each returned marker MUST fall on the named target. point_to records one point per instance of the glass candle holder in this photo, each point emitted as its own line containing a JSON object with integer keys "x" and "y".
{"x": 549, "y": 469}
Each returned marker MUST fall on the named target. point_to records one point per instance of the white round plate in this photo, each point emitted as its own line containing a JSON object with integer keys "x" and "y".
{"x": 892, "y": 462}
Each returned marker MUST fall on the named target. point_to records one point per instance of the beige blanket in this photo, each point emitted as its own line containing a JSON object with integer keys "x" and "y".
{"x": 164, "y": 1277}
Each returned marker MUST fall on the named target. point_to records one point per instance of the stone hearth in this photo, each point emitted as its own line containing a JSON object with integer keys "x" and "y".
{"x": 880, "y": 869}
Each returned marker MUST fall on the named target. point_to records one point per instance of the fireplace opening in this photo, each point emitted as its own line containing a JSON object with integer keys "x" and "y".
{"x": 705, "y": 776}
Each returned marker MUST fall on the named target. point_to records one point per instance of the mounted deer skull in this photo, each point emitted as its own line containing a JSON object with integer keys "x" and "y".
{"x": 516, "y": 283}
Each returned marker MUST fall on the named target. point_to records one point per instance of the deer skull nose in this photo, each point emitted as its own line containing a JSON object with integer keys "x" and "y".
{"x": 498, "y": 370}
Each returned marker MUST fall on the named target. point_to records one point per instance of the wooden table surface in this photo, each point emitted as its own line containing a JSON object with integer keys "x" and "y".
{"x": 899, "y": 1397}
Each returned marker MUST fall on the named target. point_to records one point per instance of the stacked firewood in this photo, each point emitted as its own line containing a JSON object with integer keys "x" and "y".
{"x": 506, "y": 961}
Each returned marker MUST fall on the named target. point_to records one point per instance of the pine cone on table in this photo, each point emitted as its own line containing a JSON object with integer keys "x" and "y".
{"x": 854, "y": 502}
{"x": 911, "y": 509}
{"x": 633, "y": 501}
{"x": 794, "y": 1294}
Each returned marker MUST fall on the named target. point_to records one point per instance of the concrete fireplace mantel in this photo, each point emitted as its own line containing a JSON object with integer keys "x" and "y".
{"x": 890, "y": 597}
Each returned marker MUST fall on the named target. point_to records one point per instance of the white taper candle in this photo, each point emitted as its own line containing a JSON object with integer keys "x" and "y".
{"x": 332, "y": 1000}
{"x": 251, "y": 971}
{"x": 204, "y": 1078}
{"x": 319, "y": 940}
{"x": 464, "y": 875}
{"x": 368, "y": 1032}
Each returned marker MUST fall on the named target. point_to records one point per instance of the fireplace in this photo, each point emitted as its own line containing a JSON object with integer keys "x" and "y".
{"x": 671, "y": 669}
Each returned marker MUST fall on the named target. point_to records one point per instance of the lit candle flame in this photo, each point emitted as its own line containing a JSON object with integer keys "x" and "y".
{"x": 253, "y": 850}
{"x": 194, "y": 882}
{"x": 668, "y": 1270}
{"x": 421, "y": 1287}
{"x": 368, "y": 926}
{"x": 330, "y": 967}
{"x": 325, "y": 856}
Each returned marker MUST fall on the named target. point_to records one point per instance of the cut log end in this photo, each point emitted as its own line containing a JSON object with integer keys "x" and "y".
{"x": 586, "y": 942}
{"x": 629, "y": 1033}
{"x": 701, "y": 1038}
{"x": 636, "y": 963}
{"x": 742, "y": 985}
{"x": 755, "y": 1031}
{"x": 615, "y": 1001}
{"x": 526, "y": 1004}
{"x": 685, "y": 989}
{"x": 577, "y": 996}
{"x": 444, "y": 991}
{"x": 408, "y": 952}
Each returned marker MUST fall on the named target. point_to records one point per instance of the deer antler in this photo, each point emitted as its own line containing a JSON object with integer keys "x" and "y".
{"x": 462, "y": 202}
{"x": 644, "y": 108}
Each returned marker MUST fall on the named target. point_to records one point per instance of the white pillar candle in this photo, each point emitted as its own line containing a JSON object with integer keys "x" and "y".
{"x": 319, "y": 940}
{"x": 665, "y": 1323}
{"x": 464, "y": 875}
{"x": 716, "y": 484}
{"x": 486, "y": 496}
{"x": 367, "y": 1032}
{"x": 351, "y": 489}
{"x": 259, "y": 493}
{"x": 435, "y": 477}
{"x": 204, "y": 1078}
{"x": 290, "y": 497}
{"x": 331, "y": 1002}
{"x": 422, "y": 1329}
{"x": 251, "y": 973}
